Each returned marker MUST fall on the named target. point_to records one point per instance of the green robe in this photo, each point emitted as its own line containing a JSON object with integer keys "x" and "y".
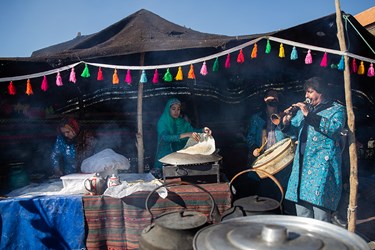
{"x": 169, "y": 130}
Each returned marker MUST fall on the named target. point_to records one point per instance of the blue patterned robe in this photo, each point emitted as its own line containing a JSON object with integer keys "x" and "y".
{"x": 320, "y": 176}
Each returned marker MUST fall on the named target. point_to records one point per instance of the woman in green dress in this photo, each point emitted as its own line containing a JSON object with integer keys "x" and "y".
{"x": 173, "y": 133}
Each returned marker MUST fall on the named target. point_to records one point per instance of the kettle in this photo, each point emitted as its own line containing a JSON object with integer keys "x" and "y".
{"x": 96, "y": 184}
{"x": 113, "y": 181}
{"x": 176, "y": 229}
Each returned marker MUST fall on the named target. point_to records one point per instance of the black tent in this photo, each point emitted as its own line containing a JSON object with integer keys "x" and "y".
{"x": 222, "y": 100}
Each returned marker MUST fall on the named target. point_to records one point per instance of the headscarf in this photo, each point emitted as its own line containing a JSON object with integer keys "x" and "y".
{"x": 172, "y": 126}
{"x": 69, "y": 123}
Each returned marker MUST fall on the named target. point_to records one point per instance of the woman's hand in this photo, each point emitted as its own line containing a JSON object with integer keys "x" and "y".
{"x": 207, "y": 131}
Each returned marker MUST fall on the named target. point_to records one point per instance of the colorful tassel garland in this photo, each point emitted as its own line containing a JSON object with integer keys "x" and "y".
{"x": 215, "y": 67}
{"x": 361, "y": 69}
{"x": 254, "y": 52}
{"x": 115, "y": 79}
{"x": 128, "y": 77}
{"x": 294, "y": 54}
{"x": 370, "y": 71}
{"x": 100, "y": 74}
{"x": 167, "y": 76}
{"x": 268, "y": 47}
{"x": 59, "y": 80}
{"x": 191, "y": 74}
{"x": 155, "y": 79}
{"x": 227, "y": 62}
{"x": 29, "y": 89}
{"x": 179, "y": 76}
{"x": 72, "y": 76}
{"x": 11, "y": 89}
{"x": 143, "y": 77}
{"x": 341, "y": 65}
{"x": 324, "y": 61}
{"x": 354, "y": 67}
{"x": 85, "y": 72}
{"x": 203, "y": 70}
{"x": 308, "y": 58}
{"x": 240, "y": 57}
{"x": 281, "y": 51}
{"x": 44, "y": 85}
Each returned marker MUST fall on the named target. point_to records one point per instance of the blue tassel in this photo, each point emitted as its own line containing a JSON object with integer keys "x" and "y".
{"x": 294, "y": 54}
{"x": 143, "y": 77}
{"x": 341, "y": 65}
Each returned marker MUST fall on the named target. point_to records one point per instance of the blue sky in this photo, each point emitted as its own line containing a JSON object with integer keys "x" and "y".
{"x": 29, "y": 25}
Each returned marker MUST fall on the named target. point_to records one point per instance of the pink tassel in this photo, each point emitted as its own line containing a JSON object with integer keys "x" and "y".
{"x": 155, "y": 79}
{"x": 324, "y": 62}
{"x": 240, "y": 57}
{"x": 72, "y": 77}
{"x": 204, "y": 69}
{"x": 227, "y": 62}
{"x": 128, "y": 77}
{"x": 100, "y": 75}
{"x": 44, "y": 85}
{"x": 308, "y": 58}
{"x": 370, "y": 71}
{"x": 59, "y": 80}
{"x": 354, "y": 67}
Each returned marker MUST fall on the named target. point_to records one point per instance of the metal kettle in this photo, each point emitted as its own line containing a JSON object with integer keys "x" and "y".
{"x": 176, "y": 229}
{"x": 96, "y": 184}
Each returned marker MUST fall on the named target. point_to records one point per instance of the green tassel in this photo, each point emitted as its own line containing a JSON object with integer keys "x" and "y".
{"x": 85, "y": 72}
{"x": 215, "y": 68}
{"x": 168, "y": 76}
{"x": 268, "y": 47}
{"x": 143, "y": 77}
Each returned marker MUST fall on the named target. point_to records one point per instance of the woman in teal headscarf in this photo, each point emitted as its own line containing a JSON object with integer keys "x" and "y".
{"x": 173, "y": 132}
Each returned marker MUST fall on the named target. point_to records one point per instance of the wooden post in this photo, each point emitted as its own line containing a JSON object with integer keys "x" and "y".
{"x": 351, "y": 126}
{"x": 140, "y": 145}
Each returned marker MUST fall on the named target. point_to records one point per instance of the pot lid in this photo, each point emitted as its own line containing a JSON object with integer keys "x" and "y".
{"x": 181, "y": 220}
{"x": 276, "y": 232}
{"x": 257, "y": 203}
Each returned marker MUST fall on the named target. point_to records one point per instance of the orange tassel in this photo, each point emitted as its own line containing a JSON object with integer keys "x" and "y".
{"x": 361, "y": 69}
{"x": 29, "y": 89}
{"x": 191, "y": 74}
{"x": 179, "y": 76}
{"x": 254, "y": 52}
{"x": 115, "y": 79}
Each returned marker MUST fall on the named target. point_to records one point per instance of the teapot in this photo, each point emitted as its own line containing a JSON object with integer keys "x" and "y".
{"x": 96, "y": 184}
{"x": 113, "y": 181}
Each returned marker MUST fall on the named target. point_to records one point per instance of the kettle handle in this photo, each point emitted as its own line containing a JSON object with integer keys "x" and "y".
{"x": 214, "y": 207}
{"x": 263, "y": 172}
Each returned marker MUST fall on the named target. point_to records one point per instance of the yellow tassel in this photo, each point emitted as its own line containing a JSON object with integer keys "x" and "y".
{"x": 179, "y": 76}
{"x": 191, "y": 74}
{"x": 29, "y": 89}
{"x": 361, "y": 69}
{"x": 281, "y": 51}
{"x": 115, "y": 79}
{"x": 254, "y": 51}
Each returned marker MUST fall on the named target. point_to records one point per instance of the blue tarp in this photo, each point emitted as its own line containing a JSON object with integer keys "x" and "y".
{"x": 44, "y": 222}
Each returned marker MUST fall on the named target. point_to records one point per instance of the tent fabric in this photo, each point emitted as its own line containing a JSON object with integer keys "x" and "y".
{"x": 47, "y": 222}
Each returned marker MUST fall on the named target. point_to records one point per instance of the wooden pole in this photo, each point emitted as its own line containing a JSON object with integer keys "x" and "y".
{"x": 351, "y": 126}
{"x": 140, "y": 145}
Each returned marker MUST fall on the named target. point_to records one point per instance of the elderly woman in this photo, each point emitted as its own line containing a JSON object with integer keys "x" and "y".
{"x": 71, "y": 147}
{"x": 173, "y": 133}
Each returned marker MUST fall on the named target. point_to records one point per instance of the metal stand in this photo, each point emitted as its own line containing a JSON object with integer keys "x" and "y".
{"x": 192, "y": 170}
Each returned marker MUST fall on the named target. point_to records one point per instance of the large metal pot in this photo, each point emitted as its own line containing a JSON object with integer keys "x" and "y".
{"x": 175, "y": 230}
{"x": 254, "y": 205}
{"x": 276, "y": 232}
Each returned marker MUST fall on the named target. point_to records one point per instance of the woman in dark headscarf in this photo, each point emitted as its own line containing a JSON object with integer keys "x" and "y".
{"x": 72, "y": 146}
{"x": 173, "y": 132}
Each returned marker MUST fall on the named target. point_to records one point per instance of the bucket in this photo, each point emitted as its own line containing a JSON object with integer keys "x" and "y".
{"x": 18, "y": 176}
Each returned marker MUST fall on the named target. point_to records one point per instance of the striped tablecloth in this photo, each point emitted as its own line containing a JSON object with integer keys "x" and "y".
{"x": 118, "y": 223}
